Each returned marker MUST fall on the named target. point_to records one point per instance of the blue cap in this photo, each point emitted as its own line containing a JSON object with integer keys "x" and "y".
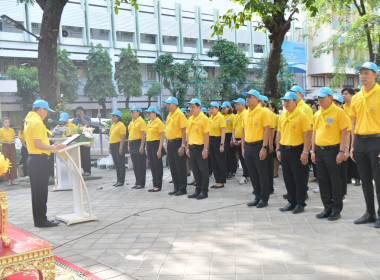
{"x": 338, "y": 98}
{"x": 290, "y": 95}
{"x": 63, "y": 116}
{"x": 324, "y": 91}
{"x": 239, "y": 100}
{"x": 172, "y": 99}
{"x": 136, "y": 108}
{"x": 153, "y": 109}
{"x": 225, "y": 104}
{"x": 296, "y": 88}
{"x": 244, "y": 93}
{"x": 263, "y": 98}
{"x": 368, "y": 65}
{"x": 116, "y": 113}
{"x": 42, "y": 104}
{"x": 252, "y": 92}
{"x": 204, "y": 110}
{"x": 196, "y": 101}
{"x": 183, "y": 110}
{"x": 214, "y": 104}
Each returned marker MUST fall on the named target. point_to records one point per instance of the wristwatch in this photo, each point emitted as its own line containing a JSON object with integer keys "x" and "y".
{"x": 205, "y": 150}
{"x": 221, "y": 144}
{"x": 265, "y": 147}
{"x": 311, "y": 151}
{"x": 278, "y": 150}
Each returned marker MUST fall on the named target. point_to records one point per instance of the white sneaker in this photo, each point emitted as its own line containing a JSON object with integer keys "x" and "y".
{"x": 242, "y": 180}
{"x": 316, "y": 190}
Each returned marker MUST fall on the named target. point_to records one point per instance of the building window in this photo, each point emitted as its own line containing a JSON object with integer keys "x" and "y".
{"x": 258, "y": 48}
{"x": 150, "y": 73}
{"x": 99, "y": 34}
{"x": 244, "y": 47}
{"x": 190, "y": 42}
{"x": 147, "y": 38}
{"x": 36, "y": 27}
{"x": 317, "y": 81}
{"x": 349, "y": 82}
{"x": 169, "y": 40}
{"x": 124, "y": 36}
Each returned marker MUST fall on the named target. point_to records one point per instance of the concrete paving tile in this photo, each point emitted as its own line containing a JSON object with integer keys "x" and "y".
{"x": 107, "y": 274}
{"x": 222, "y": 277}
{"x": 196, "y": 277}
{"x": 275, "y": 269}
{"x": 197, "y": 270}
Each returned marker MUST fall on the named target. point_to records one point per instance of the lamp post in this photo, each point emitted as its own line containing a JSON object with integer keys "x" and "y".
{"x": 18, "y": 25}
{"x": 198, "y": 76}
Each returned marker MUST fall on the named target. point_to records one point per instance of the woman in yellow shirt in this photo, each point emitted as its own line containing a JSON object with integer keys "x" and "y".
{"x": 116, "y": 146}
{"x": 7, "y": 139}
{"x": 217, "y": 151}
{"x": 136, "y": 143}
{"x": 24, "y": 150}
{"x": 231, "y": 161}
{"x": 155, "y": 132}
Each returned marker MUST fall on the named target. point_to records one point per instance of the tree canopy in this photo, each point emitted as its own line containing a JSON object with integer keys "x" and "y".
{"x": 68, "y": 77}
{"x": 154, "y": 91}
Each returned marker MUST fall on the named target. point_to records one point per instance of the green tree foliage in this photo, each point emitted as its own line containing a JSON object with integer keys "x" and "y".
{"x": 233, "y": 65}
{"x": 99, "y": 83}
{"x": 174, "y": 75}
{"x": 356, "y": 37}
{"x": 154, "y": 91}
{"x": 67, "y": 76}
{"x": 276, "y": 17}
{"x": 128, "y": 75}
{"x": 211, "y": 90}
{"x": 28, "y": 88}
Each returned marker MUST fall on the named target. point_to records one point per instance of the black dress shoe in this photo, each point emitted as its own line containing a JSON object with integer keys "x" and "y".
{"x": 253, "y": 203}
{"x": 366, "y": 218}
{"x": 288, "y": 207}
{"x": 202, "y": 196}
{"x": 192, "y": 183}
{"x": 262, "y": 204}
{"x": 153, "y": 190}
{"x": 170, "y": 181}
{"x": 173, "y": 192}
{"x": 193, "y": 195}
{"x": 298, "y": 209}
{"x": 48, "y": 224}
{"x": 333, "y": 216}
{"x": 377, "y": 224}
{"x": 135, "y": 186}
{"x": 139, "y": 187}
{"x": 285, "y": 196}
{"x": 118, "y": 185}
{"x": 357, "y": 182}
{"x": 324, "y": 214}
{"x": 114, "y": 184}
{"x": 217, "y": 187}
{"x": 180, "y": 193}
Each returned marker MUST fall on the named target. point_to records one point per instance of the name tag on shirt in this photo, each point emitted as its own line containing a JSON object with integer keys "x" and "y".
{"x": 330, "y": 120}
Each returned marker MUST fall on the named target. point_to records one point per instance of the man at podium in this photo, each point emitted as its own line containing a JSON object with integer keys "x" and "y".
{"x": 39, "y": 150}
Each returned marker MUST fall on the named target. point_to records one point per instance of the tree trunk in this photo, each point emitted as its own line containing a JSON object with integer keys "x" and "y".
{"x": 102, "y": 102}
{"x": 127, "y": 102}
{"x": 47, "y": 50}
{"x": 149, "y": 100}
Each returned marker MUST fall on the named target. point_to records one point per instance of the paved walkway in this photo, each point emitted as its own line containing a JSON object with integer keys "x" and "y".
{"x": 142, "y": 235}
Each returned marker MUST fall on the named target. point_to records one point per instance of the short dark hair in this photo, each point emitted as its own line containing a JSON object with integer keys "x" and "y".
{"x": 273, "y": 105}
{"x": 79, "y": 108}
{"x": 350, "y": 91}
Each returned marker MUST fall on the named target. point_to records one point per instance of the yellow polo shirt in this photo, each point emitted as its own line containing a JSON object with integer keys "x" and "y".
{"x": 238, "y": 122}
{"x": 217, "y": 122}
{"x": 197, "y": 128}
{"x": 306, "y": 109}
{"x": 328, "y": 125}
{"x": 116, "y": 130}
{"x": 365, "y": 107}
{"x": 229, "y": 122}
{"x": 35, "y": 129}
{"x": 174, "y": 124}
{"x": 7, "y": 135}
{"x": 292, "y": 127}
{"x": 153, "y": 130}
{"x": 272, "y": 117}
{"x": 254, "y": 123}
{"x": 135, "y": 128}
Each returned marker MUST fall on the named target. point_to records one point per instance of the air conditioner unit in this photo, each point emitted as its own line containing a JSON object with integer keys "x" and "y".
{"x": 65, "y": 33}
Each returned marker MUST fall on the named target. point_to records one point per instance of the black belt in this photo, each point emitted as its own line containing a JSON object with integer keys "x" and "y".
{"x": 174, "y": 140}
{"x": 39, "y": 155}
{"x": 132, "y": 141}
{"x": 292, "y": 147}
{"x": 254, "y": 143}
{"x": 328, "y": 147}
{"x": 377, "y": 135}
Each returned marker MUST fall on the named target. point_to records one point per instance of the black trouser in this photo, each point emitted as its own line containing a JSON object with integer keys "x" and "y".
{"x": 258, "y": 170}
{"x": 119, "y": 161}
{"x": 270, "y": 166}
{"x": 295, "y": 174}
{"x": 352, "y": 170}
{"x": 155, "y": 163}
{"x": 38, "y": 168}
{"x": 366, "y": 153}
{"x": 209, "y": 165}
{"x": 343, "y": 177}
{"x": 200, "y": 169}
{"x": 24, "y": 156}
{"x": 177, "y": 165}
{"x": 218, "y": 160}
{"x": 139, "y": 162}
{"x": 242, "y": 161}
{"x": 329, "y": 178}
{"x": 310, "y": 163}
{"x": 231, "y": 163}
{"x": 85, "y": 158}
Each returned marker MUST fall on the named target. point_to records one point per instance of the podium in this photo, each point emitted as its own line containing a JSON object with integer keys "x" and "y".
{"x": 70, "y": 157}
{"x": 62, "y": 180}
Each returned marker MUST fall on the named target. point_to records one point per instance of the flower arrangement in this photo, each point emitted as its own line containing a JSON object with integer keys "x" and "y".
{"x": 86, "y": 133}
{"x": 58, "y": 131}
{"x": 4, "y": 164}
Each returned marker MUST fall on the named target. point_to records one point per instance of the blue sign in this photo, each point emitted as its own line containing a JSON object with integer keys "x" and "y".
{"x": 295, "y": 55}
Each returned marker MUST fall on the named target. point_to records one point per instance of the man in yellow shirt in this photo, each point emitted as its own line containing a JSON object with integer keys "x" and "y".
{"x": 236, "y": 135}
{"x": 39, "y": 150}
{"x": 301, "y": 104}
{"x": 197, "y": 148}
{"x": 365, "y": 144}
{"x": 329, "y": 141}
{"x": 69, "y": 126}
{"x": 255, "y": 143}
{"x": 292, "y": 147}
{"x": 175, "y": 146}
